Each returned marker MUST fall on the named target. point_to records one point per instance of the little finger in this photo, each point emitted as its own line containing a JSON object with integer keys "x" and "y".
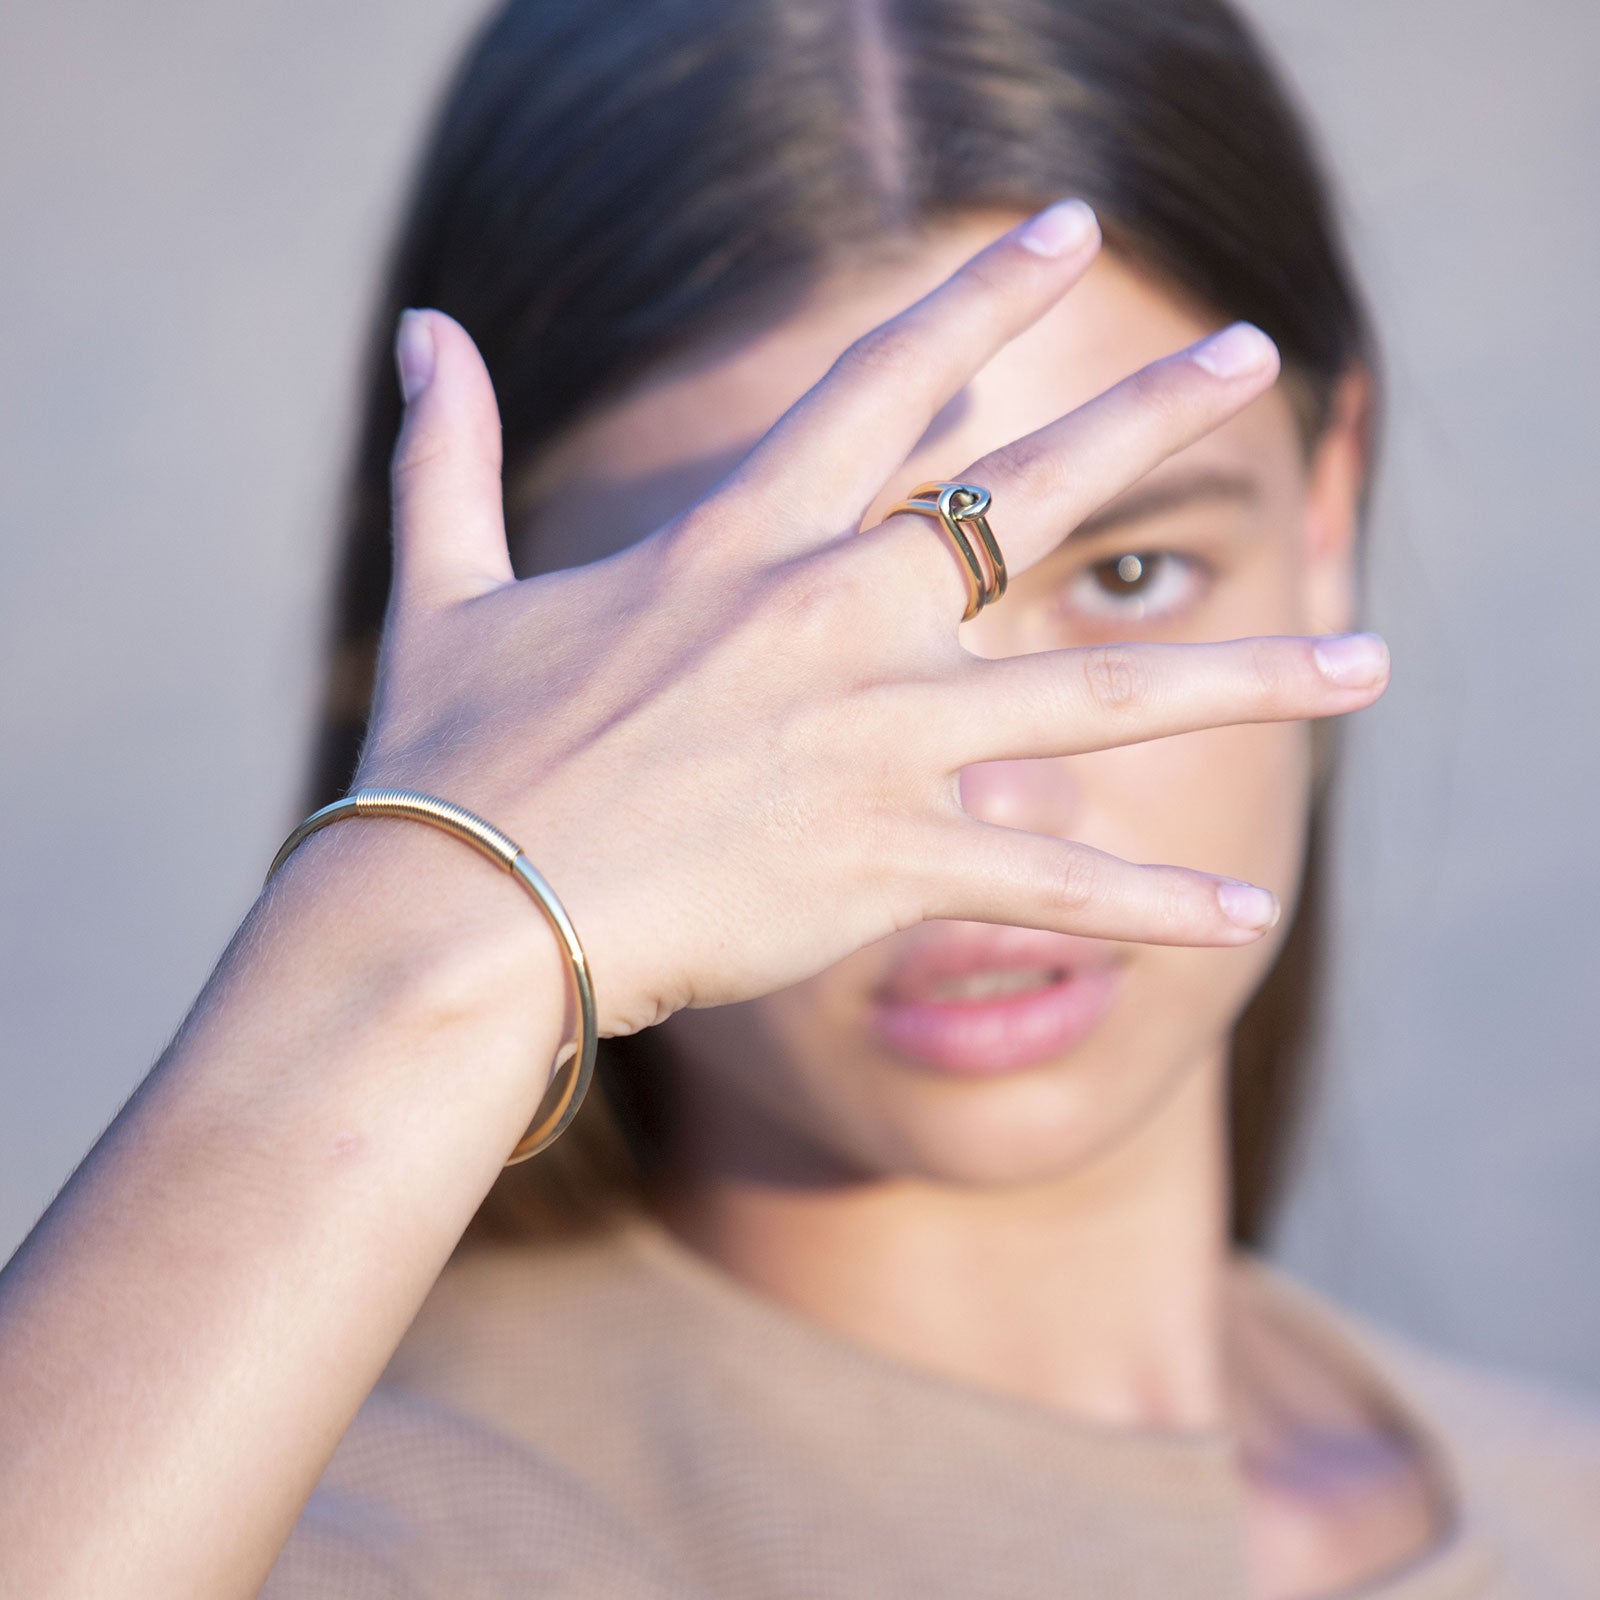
{"x": 991, "y": 873}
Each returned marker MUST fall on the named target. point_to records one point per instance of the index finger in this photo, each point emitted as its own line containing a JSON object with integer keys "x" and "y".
{"x": 855, "y": 425}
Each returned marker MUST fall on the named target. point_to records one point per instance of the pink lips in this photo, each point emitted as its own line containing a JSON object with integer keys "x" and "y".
{"x": 974, "y": 1037}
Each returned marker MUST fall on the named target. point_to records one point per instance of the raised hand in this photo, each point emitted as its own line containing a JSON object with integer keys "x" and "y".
{"x": 734, "y": 747}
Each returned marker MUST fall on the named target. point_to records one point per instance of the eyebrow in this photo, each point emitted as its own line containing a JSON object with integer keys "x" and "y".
{"x": 1169, "y": 494}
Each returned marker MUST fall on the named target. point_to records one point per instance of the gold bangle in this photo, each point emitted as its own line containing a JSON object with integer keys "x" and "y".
{"x": 489, "y": 841}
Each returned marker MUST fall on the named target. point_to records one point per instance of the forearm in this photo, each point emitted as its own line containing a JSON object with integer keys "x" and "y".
{"x": 191, "y": 1326}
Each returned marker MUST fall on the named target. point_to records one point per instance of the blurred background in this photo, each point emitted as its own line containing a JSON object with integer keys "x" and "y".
{"x": 195, "y": 198}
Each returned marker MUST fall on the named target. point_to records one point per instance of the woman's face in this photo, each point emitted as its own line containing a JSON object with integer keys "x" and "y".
{"x": 890, "y": 1062}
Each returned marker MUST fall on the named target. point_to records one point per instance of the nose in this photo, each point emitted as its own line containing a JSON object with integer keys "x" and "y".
{"x": 1040, "y": 795}
{"x": 1043, "y": 794}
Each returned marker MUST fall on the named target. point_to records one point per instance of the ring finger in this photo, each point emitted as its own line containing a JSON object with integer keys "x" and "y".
{"x": 1064, "y": 702}
{"x": 1053, "y": 478}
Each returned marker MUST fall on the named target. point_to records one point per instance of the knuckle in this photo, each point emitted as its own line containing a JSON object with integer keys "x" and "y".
{"x": 717, "y": 545}
{"x": 695, "y": 537}
{"x": 415, "y": 454}
{"x": 1176, "y": 900}
{"x": 1032, "y": 465}
{"x": 1075, "y": 884}
{"x": 883, "y": 351}
{"x": 422, "y": 451}
{"x": 849, "y": 589}
{"x": 989, "y": 274}
{"x": 797, "y": 599}
{"x": 1158, "y": 392}
{"x": 1269, "y": 671}
{"x": 1117, "y": 678}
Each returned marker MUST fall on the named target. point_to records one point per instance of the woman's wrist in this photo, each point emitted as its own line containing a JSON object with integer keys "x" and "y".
{"x": 402, "y": 925}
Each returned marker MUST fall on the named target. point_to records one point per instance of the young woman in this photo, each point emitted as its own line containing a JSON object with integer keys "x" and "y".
{"x": 951, "y": 958}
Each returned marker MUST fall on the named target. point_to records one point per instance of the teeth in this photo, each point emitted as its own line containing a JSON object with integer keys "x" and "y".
{"x": 986, "y": 985}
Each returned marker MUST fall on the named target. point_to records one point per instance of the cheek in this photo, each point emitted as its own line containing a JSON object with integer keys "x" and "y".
{"x": 1228, "y": 800}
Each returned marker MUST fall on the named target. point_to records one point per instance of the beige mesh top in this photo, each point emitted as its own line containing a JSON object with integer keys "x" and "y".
{"x": 619, "y": 1418}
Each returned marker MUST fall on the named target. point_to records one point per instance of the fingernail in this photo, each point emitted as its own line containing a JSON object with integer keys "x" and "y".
{"x": 1248, "y": 906}
{"x": 1237, "y": 350}
{"x": 1352, "y": 659}
{"x": 413, "y": 354}
{"x": 1066, "y": 225}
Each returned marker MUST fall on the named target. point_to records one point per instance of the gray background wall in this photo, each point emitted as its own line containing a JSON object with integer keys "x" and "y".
{"x": 193, "y": 196}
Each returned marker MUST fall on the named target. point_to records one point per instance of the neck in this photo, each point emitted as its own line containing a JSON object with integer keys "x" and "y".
{"x": 1100, "y": 1293}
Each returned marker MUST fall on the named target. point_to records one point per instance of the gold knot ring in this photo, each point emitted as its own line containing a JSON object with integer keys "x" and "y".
{"x": 951, "y": 504}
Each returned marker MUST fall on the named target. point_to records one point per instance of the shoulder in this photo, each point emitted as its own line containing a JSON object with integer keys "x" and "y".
{"x": 1524, "y": 1452}
{"x": 420, "y": 1501}
{"x": 1527, "y": 1439}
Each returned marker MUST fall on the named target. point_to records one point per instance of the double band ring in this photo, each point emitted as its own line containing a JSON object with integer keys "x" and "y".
{"x": 951, "y": 505}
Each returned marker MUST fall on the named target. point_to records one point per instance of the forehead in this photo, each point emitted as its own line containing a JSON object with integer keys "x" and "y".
{"x": 633, "y": 463}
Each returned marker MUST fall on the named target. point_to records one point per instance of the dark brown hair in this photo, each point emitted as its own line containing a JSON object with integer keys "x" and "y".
{"x": 608, "y": 180}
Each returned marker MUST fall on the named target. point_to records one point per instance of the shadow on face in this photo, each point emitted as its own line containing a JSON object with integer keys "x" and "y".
{"x": 1241, "y": 533}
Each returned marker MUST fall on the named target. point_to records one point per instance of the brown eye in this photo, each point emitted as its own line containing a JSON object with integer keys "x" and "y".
{"x": 1136, "y": 584}
{"x": 1130, "y": 571}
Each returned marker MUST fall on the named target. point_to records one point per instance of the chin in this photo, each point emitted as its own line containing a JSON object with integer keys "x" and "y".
{"x": 1040, "y": 1126}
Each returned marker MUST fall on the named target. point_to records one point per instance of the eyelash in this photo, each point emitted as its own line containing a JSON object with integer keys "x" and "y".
{"x": 1084, "y": 591}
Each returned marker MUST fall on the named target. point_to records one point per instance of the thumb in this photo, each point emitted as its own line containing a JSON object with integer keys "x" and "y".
{"x": 449, "y": 519}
